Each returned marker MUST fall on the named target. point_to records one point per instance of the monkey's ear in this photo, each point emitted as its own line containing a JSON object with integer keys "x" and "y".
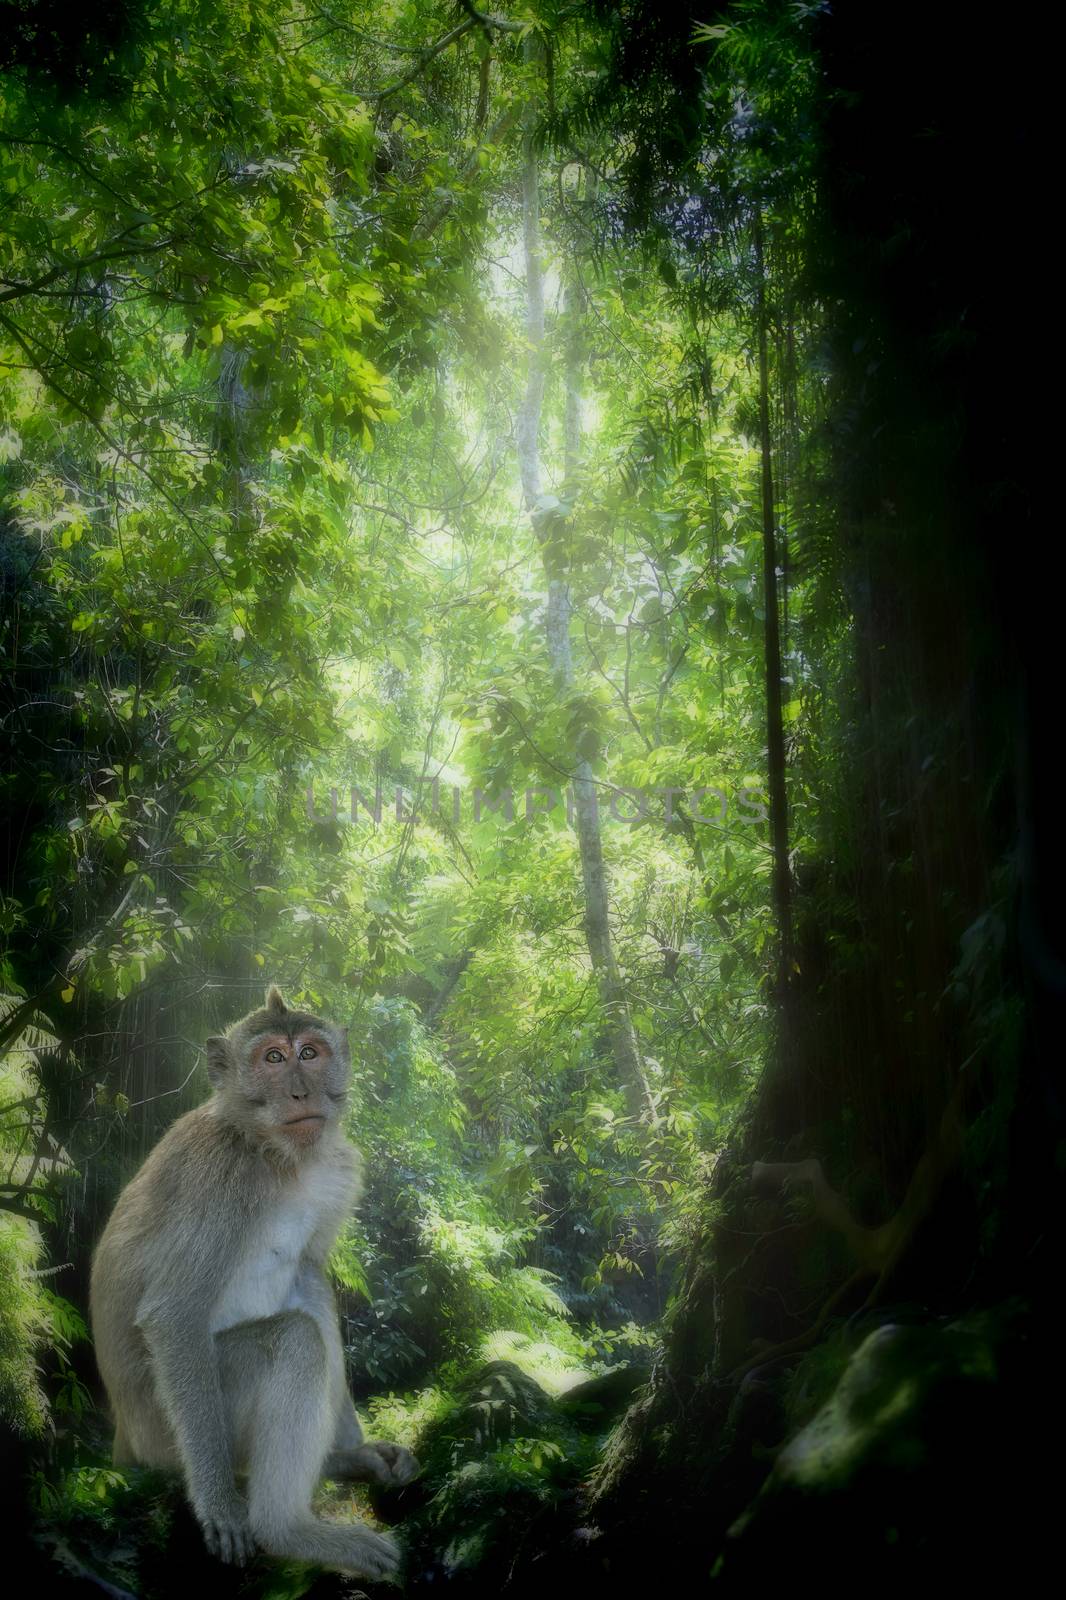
{"x": 218, "y": 1059}
{"x": 275, "y": 1000}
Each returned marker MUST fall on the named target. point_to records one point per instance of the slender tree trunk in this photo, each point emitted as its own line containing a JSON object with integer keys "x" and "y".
{"x": 775, "y": 736}
{"x": 626, "y": 1051}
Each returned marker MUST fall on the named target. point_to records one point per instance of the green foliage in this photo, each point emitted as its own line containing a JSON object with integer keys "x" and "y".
{"x": 262, "y": 328}
{"x": 210, "y": 316}
{"x": 33, "y": 1320}
{"x": 498, "y": 1454}
{"x": 278, "y": 704}
{"x": 24, "y": 1328}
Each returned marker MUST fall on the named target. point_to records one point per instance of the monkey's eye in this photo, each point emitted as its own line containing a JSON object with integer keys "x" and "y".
{"x": 273, "y": 1055}
{"x": 308, "y": 1053}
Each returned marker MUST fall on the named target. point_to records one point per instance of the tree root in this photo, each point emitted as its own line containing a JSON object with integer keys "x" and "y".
{"x": 879, "y": 1250}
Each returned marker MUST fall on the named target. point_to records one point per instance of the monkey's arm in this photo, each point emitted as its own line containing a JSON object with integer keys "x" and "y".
{"x": 176, "y": 1328}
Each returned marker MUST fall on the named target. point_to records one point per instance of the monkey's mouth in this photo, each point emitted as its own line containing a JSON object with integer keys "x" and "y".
{"x": 303, "y": 1122}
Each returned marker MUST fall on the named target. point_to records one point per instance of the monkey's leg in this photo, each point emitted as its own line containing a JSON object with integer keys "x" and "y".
{"x": 143, "y": 1435}
{"x": 276, "y": 1376}
{"x": 350, "y": 1456}
{"x": 355, "y": 1459}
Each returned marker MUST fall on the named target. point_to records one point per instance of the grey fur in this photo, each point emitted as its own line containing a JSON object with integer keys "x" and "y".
{"x": 214, "y": 1322}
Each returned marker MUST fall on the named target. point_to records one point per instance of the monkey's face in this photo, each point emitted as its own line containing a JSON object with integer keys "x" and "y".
{"x": 296, "y": 1081}
{"x": 281, "y": 1077}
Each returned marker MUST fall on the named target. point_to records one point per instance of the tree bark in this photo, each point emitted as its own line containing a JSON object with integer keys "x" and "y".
{"x": 775, "y": 736}
{"x": 625, "y": 1049}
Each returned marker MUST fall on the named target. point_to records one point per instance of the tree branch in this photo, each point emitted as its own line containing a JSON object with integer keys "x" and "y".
{"x": 432, "y": 221}
{"x": 17, "y": 291}
{"x": 423, "y": 61}
{"x": 487, "y": 21}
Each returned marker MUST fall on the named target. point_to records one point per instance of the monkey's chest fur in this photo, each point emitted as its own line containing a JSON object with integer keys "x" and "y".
{"x": 293, "y": 1235}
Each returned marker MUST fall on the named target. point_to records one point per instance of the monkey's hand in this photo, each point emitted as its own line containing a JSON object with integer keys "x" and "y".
{"x": 397, "y": 1464}
{"x": 226, "y": 1531}
{"x": 383, "y": 1463}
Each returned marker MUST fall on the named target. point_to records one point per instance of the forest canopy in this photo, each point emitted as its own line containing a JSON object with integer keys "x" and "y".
{"x": 500, "y": 535}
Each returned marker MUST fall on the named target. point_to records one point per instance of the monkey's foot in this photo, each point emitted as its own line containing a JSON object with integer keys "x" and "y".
{"x": 343, "y": 1547}
{"x": 371, "y": 1555}
{"x": 381, "y": 1463}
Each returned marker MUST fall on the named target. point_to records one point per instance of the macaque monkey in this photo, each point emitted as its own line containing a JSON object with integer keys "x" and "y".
{"x": 215, "y": 1325}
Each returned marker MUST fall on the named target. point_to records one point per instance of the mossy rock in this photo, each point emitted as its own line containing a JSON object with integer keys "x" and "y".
{"x": 916, "y": 1461}
{"x": 600, "y": 1400}
{"x": 497, "y": 1402}
{"x": 499, "y": 1486}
